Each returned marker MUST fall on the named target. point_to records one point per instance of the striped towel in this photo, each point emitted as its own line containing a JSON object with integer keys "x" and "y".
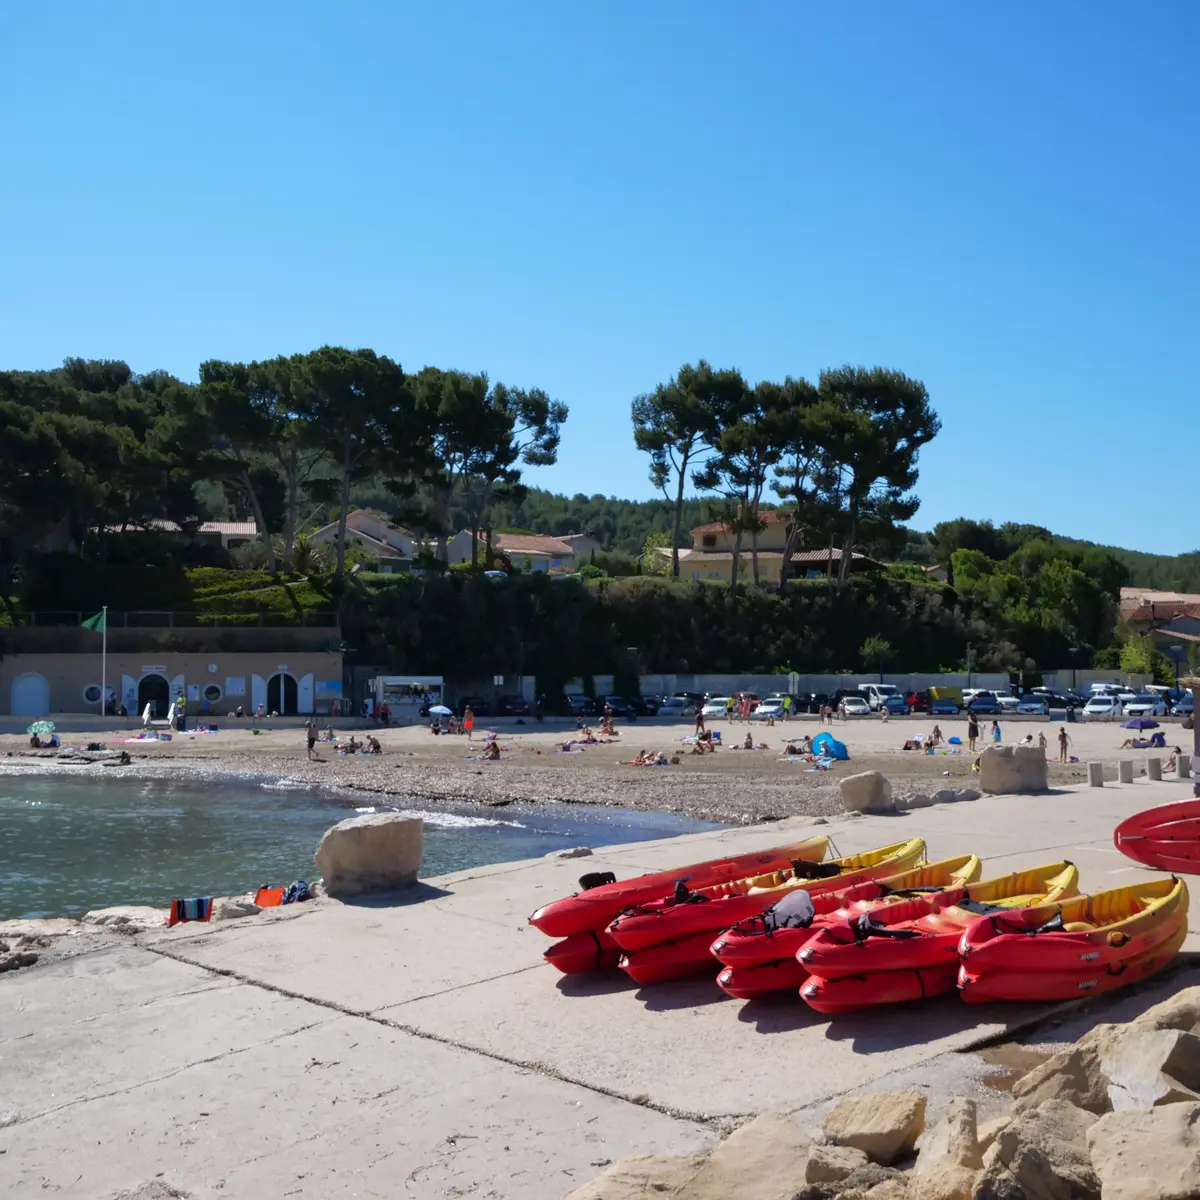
{"x": 199, "y": 909}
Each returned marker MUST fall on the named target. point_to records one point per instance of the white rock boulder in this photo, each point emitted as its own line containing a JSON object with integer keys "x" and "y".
{"x": 949, "y": 1160}
{"x": 378, "y": 852}
{"x": 1149, "y": 1067}
{"x": 1148, "y": 1155}
{"x": 883, "y": 1125}
{"x": 129, "y": 918}
{"x": 868, "y": 791}
{"x": 1013, "y": 769}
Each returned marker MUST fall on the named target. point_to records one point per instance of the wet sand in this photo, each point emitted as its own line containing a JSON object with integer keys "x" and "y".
{"x": 730, "y": 785}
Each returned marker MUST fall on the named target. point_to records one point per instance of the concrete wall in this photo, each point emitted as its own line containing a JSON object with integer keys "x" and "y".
{"x": 37, "y": 685}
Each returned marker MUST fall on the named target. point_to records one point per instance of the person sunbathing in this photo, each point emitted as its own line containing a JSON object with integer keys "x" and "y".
{"x": 373, "y": 745}
{"x": 588, "y": 736}
{"x": 660, "y": 760}
{"x": 1135, "y": 744}
{"x": 491, "y": 752}
{"x": 937, "y": 735}
{"x": 748, "y": 744}
{"x": 640, "y": 759}
{"x": 1172, "y": 763}
{"x": 607, "y": 729}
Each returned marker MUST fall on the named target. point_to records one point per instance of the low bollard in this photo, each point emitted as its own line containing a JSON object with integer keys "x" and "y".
{"x": 1183, "y": 763}
{"x": 1095, "y": 774}
{"x": 1125, "y": 770}
{"x": 1154, "y": 768}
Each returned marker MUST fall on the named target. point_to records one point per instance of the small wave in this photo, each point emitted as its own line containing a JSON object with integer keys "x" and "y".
{"x": 283, "y": 785}
{"x": 444, "y": 820}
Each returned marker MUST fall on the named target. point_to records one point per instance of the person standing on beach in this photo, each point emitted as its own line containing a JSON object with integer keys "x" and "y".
{"x": 310, "y": 733}
{"x": 699, "y": 721}
{"x": 468, "y": 721}
{"x": 996, "y": 736}
{"x": 1063, "y": 742}
{"x": 972, "y": 731}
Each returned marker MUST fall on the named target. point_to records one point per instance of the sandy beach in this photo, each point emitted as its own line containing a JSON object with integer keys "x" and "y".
{"x": 732, "y": 785}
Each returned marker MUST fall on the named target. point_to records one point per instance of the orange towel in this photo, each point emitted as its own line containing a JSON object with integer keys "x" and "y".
{"x": 269, "y": 897}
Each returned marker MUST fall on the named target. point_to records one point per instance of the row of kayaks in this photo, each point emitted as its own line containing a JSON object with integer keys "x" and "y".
{"x": 864, "y": 930}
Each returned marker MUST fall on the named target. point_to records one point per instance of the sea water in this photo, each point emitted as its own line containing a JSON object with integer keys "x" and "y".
{"x": 72, "y": 844}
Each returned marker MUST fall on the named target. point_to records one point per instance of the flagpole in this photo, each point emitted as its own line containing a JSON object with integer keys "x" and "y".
{"x": 104, "y": 664}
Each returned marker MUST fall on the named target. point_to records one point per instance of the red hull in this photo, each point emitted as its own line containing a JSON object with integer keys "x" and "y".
{"x": 766, "y": 979}
{"x": 595, "y": 908}
{"x": 1166, "y": 838}
{"x": 835, "y": 996}
{"x": 583, "y": 952}
{"x": 1051, "y": 986}
{"x": 671, "y": 960}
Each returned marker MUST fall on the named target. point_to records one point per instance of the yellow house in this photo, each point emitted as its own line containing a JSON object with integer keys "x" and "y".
{"x": 711, "y": 554}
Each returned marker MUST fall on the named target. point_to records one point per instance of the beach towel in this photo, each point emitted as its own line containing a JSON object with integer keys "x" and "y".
{"x": 199, "y": 909}
{"x": 269, "y": 897}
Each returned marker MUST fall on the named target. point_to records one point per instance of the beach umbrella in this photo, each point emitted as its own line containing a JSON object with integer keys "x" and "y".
{"x": 1140, "y": 723}
{"x": 440, "y": 710}
{"x": 41, "y": 727}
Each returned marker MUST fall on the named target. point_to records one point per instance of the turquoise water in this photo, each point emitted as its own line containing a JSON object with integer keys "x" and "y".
{"x": 69, "y": 844}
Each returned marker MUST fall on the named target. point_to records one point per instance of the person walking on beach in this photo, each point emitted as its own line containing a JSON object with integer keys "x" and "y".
{"x": 996, "y": 737}
{"x": 1063, "y": 742}
{"x": 310, "y": 734}
{"x": 468, "y": 721}
{"x": 972, "y": 731}
{"x": 699, "y": 721}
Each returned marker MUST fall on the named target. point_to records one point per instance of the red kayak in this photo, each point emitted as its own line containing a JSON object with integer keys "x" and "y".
{"x": 907, "y": 951}
{"x": 773, "y": 938}
{"x": 581, "y": 952}
{"x": 1166, "y": 838}
{"x": 669, "y": 939}
{"x": 1052, "y": 986}
{"x": 596, "y": 905}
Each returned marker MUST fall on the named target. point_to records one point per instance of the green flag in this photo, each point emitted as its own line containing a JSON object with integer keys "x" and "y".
{"x": 95, "y": 623}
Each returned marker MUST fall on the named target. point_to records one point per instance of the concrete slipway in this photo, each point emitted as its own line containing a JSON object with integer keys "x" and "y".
{"x": 423, "y": 1049}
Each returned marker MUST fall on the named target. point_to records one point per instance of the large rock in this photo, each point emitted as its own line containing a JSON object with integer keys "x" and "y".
{"x": 831, "y": 1164}
{"x": 1075, "y": 1075}
{"x": 1045, "y": 1154}
{"x": 128, "y": 918}
{"x": 379, "y": 852}
{"x": 1005, "y": 769}
{"x": 949, "y": 1161}
{"x": 883, "y": 1125}
{"x": 868, "y": 791}
{"x": 763, "y": 1160}
{"x": 229, "y": 908}
{"x": 871, "y": 1180}
{"x": 1150, "y": 1155}
{"x": 1149, "y": 1067}
{"x": 1181, "y": 1011}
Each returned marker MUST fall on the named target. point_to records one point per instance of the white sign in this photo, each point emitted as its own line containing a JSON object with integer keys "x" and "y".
{"x": 235, "y": 685}
{"x": 158, "y": 670}
{"x": 282, "y": 667}
{"x": 498, "y": 680}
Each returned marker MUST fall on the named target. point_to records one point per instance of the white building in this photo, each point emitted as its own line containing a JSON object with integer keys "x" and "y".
{"x": 392, "y": 546}
{"x": 525, "y": 551}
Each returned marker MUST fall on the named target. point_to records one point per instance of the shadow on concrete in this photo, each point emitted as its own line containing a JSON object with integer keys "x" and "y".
{"x": 417, "y": 894}
{"x": 599, "y": 983}
{"x": 696, "y": 992}
{"x": 890, "y": 1027}
{"x": 783, "y": 1012}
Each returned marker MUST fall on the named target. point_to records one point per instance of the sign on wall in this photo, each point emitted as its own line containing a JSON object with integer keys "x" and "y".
{"x": 235, "y": 685}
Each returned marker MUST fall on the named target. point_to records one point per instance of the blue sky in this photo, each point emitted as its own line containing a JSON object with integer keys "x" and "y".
{"x": 1000, "y": 200}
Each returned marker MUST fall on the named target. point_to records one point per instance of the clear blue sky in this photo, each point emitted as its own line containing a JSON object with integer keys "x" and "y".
{"x": 998, "y": 199}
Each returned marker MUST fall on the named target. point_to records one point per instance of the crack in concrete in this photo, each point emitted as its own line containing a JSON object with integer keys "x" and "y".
{"x": 133, "y": 1087}
{"x": 720, "y": 1123}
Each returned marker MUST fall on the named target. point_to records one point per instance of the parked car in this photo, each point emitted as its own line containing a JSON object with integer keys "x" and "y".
{"x": 921, "y": 701}
{"x": 1146, "y": 704}
{"x": 479, "y": 705}
{"x": 1007, "y": 701}
{"x": 696, "y": 699}
{"x": 875, "y": 693}
{"x": 1034, "y": 705}
{"x": 855, "y": 706}
{"x": 812, "y": 702}
{"x": 1102, "y": 707}
{"x": 770, "y": 707}
{"x": 579, "y": 705}
{"x": 1185, "y": 706}
{"x": 512, "y": 706}
{"x": 896, "y": 705}
{"x": 621, "y": 707}
{"x": 715, "y": 706}
{"x": 674, "y": 707}
{"x": 984, "y": 702}
{"x": 647, "y": 706}
{"x": 1059, "y": 699}
{"x": 943, "y": 706}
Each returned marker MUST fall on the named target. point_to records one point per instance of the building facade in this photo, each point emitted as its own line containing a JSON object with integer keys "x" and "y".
{"x": 214, "y": 684}
{"x": 524, "y": 551}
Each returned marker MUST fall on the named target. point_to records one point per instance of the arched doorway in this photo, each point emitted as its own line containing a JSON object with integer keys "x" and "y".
{"x": 155, "y": 691}
{"x": 281, "y": 695}
{"x": 30, "y": 695}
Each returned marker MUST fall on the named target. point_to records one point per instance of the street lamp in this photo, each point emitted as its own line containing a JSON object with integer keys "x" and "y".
{"x": 1074, "y": 650}
{"x": 1176, "y": 655}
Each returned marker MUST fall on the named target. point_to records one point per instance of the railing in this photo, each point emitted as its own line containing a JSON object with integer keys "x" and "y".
{"x": 154, "y": 619}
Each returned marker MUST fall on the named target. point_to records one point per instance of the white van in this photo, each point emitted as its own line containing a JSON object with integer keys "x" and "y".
{"x": 876, "y": 693}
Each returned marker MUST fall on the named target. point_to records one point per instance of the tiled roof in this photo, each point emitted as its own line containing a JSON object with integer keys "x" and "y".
{"x": 231, "y": 528}
{"x": 746, "y": 555}
{"x": 768, "y": 516}
{"x": 1158, "y": 610}
{"x": 530, "y": 543}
